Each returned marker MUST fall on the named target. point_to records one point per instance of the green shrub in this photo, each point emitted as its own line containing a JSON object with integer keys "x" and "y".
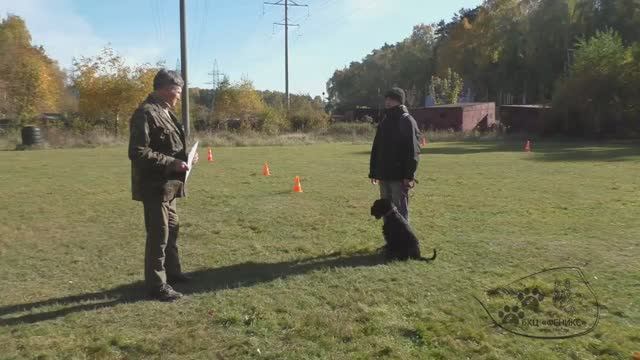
{"x": 271, "y": 122}
{"x": 308, "y": 121}
{"x": 600, "y": 95}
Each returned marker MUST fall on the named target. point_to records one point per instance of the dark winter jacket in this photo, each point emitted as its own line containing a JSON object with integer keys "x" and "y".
{"x": 396, "y": 147}
{"x": 156, "y": 141}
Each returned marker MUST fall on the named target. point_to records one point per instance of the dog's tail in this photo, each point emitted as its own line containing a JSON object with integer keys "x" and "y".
{"x": 435, "y": 254}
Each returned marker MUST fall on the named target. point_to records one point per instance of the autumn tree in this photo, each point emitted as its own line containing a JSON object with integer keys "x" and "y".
{"x": 239, "y": 102}
{"x": 516, "y": 47}
{"x": 408, "y": 64}
{"x": 30, "y": 82}
{"x": 109, "y": 89}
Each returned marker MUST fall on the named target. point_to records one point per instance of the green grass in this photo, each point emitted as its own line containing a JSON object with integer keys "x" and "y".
{"x": 293, "y": 276}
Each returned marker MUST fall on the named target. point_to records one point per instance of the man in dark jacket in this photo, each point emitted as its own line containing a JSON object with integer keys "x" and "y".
{"x": 395, "y": 152}
{"x": 158, "y": 167}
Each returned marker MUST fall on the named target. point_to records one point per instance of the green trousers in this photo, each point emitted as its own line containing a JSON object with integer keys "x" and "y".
{"x": 161, "y": 253}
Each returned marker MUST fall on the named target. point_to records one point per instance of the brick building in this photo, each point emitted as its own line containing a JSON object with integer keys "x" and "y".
{"x": 456, "y": 117}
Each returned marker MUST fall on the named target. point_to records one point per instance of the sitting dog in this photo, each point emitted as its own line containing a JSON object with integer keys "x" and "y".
{"x": 401, "y": 242}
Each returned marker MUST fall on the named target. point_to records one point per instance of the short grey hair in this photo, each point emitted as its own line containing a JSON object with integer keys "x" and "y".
{"x": 167, "y": 78}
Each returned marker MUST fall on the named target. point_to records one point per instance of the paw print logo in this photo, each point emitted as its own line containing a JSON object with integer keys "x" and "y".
{"x": 530, "y": 298}
{"x": 511, "y": 315}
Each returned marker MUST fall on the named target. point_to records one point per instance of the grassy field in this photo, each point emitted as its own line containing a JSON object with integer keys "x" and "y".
{"x": 294, "y": 276}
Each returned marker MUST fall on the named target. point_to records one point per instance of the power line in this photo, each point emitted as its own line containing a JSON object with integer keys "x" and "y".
{"x": 321, "y": 5}
{"x": 193, "y": 36}
{"x": 286, "y": 4}
{"x": 154, "y": 17}
{"x": 340, "y": 19}
{"x": 203, "y": 28}
{"x": 162, "y": 19}
{"x": 202, "y": 10}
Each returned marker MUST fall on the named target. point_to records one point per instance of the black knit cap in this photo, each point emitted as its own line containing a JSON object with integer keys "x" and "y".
{"x": 396, "y": 93}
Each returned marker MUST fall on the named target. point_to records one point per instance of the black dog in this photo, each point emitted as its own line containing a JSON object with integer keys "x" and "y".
{"x": 401, "y": 242}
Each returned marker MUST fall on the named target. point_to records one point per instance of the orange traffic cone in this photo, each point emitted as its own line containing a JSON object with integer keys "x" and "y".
{"x": 527, "y": 146}
{"x": 423, "y": 142}
{"x": 210, "y": 155}
{"x": 265, "y": 170}
{"x": 297, "y": 187}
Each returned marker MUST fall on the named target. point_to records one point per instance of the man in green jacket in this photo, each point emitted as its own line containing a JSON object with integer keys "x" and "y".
{"x": 396, "y": 152}
{"x": 158, "y": 167}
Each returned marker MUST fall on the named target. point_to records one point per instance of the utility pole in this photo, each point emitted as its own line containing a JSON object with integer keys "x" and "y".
{"x": 286, "y": 4}
{"x": 183, "y": 62}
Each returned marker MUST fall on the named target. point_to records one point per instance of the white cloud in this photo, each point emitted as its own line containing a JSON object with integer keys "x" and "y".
{"x": 65, "y": 34}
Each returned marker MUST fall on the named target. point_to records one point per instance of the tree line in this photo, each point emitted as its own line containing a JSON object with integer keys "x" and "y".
{"x": 581, "y": 56}
{"x": 239, "y": 106}
{"x": 101, "y": 91}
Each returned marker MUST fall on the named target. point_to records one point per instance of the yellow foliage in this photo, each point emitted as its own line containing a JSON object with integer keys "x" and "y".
{"x": 239, "y": 101}
{"x": 466, "y": 24}
{"x": 30, "y": 82}
{"x": 109, "y": 89}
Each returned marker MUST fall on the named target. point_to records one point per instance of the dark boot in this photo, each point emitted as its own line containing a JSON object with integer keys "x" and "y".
{"x": 166, "y": 293}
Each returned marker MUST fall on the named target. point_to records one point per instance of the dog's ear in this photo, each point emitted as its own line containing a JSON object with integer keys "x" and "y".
{"x": 375, "y": 209}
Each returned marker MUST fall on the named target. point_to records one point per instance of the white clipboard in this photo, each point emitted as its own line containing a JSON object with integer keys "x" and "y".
{"x": 192, "y": 154}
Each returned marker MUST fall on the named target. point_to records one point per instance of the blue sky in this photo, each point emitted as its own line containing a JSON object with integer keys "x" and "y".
{"x": 239, "y": 34}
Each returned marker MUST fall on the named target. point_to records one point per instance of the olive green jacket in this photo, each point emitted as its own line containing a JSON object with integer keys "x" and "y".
{"x": 156, "y": 141}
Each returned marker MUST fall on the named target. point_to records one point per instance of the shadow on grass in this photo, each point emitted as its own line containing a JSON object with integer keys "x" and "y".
{"x": 542, "y": 151}
{"x": 470, "y": 148}
{"x": 462, "y": 148}
{"x": 204, "y": 281}
{"x": 591, "y": 153}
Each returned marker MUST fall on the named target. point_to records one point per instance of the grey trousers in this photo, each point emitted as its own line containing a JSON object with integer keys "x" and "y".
{"x": 161, "y": 253}
{"x": 398, "y": 193}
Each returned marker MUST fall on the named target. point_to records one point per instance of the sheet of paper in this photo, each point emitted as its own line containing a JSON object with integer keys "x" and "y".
{"x": 192, "y": 154}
